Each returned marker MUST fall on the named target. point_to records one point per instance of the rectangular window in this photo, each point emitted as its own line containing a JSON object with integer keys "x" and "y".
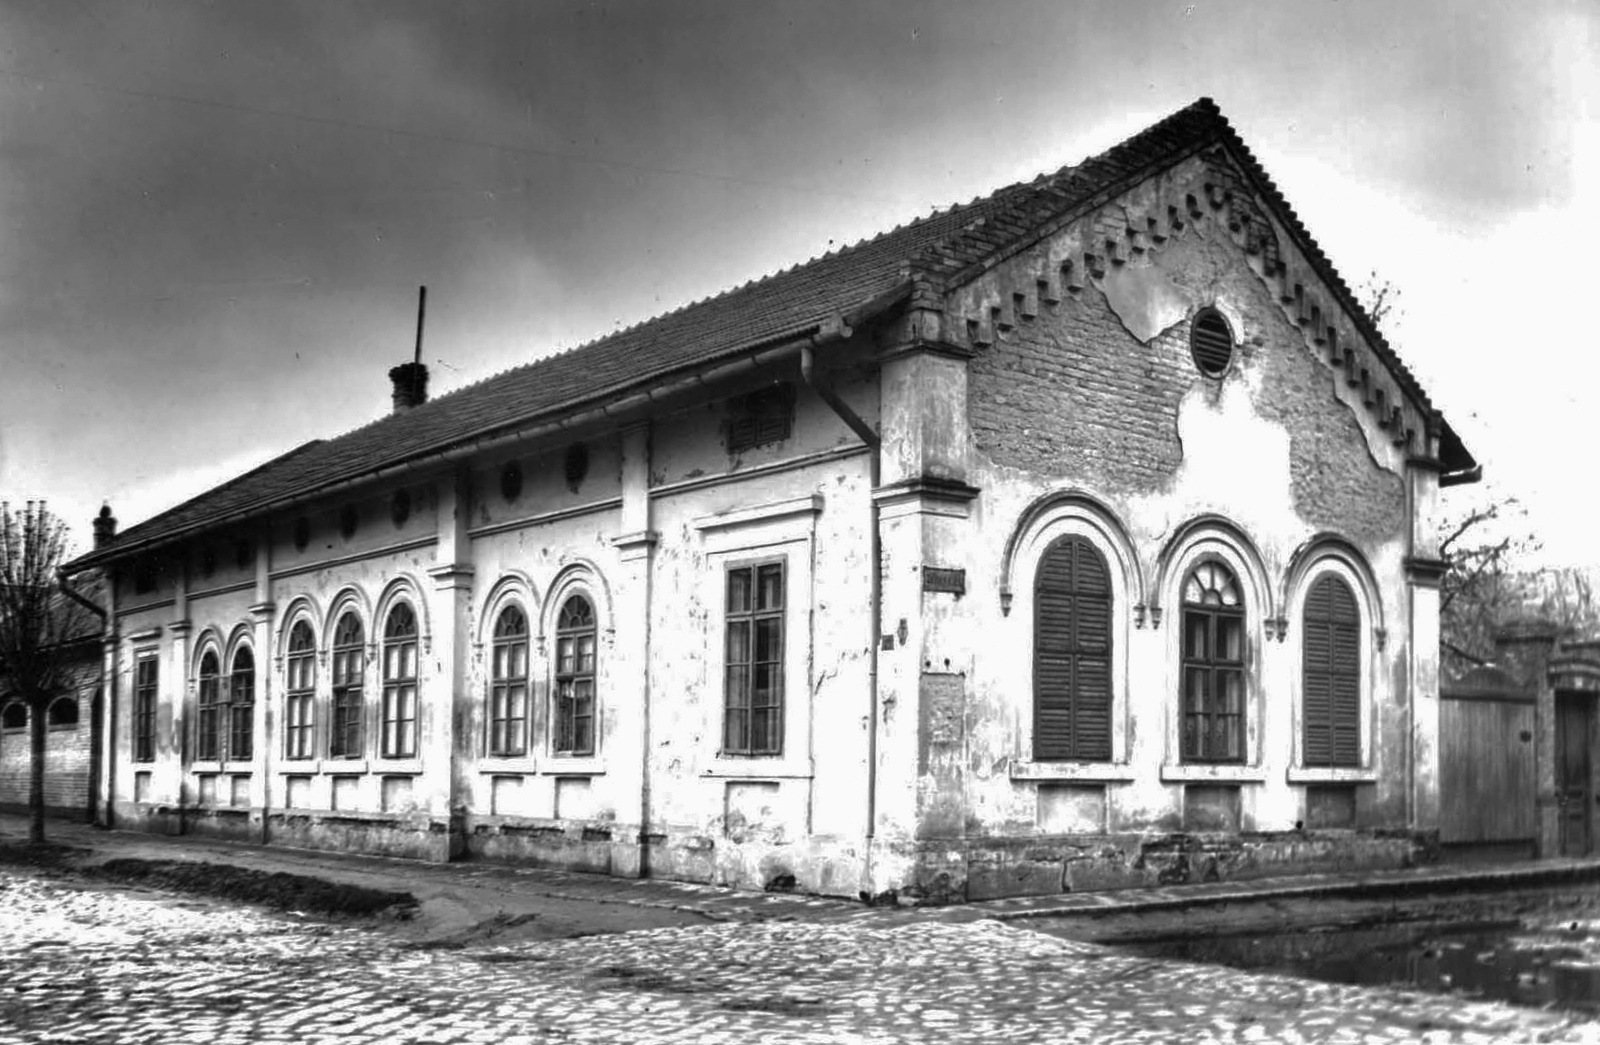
{"x": 144, "y": 709}
{"x": 1213, "y": 686}
{"x": 299, "y": 705}
{"x": 762, "y": 417}
{"x": 242, "y": 708}
{"x": 753, "y": 661}
{"x": 400, "y": 699}
{"x": 508, "y": 700}
{"x": 344, "y": 736}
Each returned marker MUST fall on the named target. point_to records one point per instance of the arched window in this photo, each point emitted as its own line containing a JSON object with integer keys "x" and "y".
{"x": 508, "y": 685}
{"x": 14, "y": 716}
{"x": 1072, "y": 654}
{"x": 1331, "y": 691}
{"x": 242, "y": 705}
{"x": 208, "y": 703}
{"x": 1213, "y": 665}
{"x": 399, "y": 724}
{"x": 300, "y": 685}
{"x": 349, "y": 661}
{"x": 575, "y": 646}
{"x": 62, "y": 712}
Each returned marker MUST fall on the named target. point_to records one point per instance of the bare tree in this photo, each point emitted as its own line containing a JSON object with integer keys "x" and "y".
{"x": 39, "y": 630}
{"x": 1483, "y": 586}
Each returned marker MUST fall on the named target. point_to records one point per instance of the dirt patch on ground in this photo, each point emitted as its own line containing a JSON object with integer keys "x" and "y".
{"x": 276, "y": 889}
{"x": 279, "y": 890}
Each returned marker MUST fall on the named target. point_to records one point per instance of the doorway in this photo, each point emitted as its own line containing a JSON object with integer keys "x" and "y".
{"x": 1574, "y": 721}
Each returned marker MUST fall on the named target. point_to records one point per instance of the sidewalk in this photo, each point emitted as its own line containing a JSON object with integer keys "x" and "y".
{"x": 457, "y": 897}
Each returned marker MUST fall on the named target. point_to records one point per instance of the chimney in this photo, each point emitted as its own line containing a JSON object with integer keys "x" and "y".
{"x": 411, "y": 379}
{"x": 105, "y": 527}
{"x": 410, "y": 386}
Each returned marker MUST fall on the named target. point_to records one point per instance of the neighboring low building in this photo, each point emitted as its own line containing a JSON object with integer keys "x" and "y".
{"x": 1077, "y": 536}
{"x": 70, "y": 731}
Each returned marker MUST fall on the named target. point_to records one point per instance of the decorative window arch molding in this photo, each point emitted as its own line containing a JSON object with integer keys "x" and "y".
{"x": 1048, "y": 518}
{"x": 210, "y": 640}
{"x": 350, "y": 598}
{"x": 242, "y": 635}
{"x": 1045, "y": 521}
{"x": 1313, "y": 557}
{"x": 1212, "y": 536}
{"x": 403, "y": 588}
{"x": 300, "y": 608}
{"x": 1329, "y": 555}
{"x": 579, "y": 575}
{"x": 513, "y": 586}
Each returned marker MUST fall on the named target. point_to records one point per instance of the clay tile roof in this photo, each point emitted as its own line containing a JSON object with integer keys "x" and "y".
{"x": 854, "y": 282}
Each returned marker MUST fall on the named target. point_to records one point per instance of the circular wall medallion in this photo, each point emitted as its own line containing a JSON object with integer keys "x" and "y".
{"x": 400, "y": 507}
{"x": 302, "y": 533}
{"x": 349, "y": 521}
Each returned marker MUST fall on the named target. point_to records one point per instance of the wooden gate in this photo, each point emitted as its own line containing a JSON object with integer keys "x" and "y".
{"x": 1486, "y": 761}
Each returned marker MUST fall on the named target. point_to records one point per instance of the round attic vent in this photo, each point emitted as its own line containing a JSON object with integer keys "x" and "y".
{"x": 1211, "y": 342}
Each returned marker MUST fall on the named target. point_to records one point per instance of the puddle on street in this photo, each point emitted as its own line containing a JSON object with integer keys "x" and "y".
{"x": 1507, "y": 961}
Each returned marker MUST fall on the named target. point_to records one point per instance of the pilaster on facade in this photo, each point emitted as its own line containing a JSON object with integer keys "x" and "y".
{"x": 628, "y": 762}
{"x": 447, "y": 724}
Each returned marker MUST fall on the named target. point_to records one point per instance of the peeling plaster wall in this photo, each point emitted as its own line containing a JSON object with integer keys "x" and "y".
{"x": 1097, "y": 395}
{"x": 676, "y": 809}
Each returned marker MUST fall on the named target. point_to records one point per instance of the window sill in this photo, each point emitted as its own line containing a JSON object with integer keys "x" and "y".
{"x": 569, "y": 766}
{"x": 1089, "y": 772}
{"x": 1332, "y": 775}
{"x": 1201, "y": 773}
{"x": 507, "y": 765}
{"x": 298, "y": 767}
{"x": 398, "y": 766}
{"x": 208, "y": 768}
{"x": 757, "y": 768}
{"x": 343, "y": 766}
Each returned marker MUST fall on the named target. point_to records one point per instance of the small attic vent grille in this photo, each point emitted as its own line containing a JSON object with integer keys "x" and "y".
{"x": 1211, "y": 342}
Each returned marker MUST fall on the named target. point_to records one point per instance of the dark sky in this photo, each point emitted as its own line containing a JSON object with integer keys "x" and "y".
{"x": 216, "y": 215}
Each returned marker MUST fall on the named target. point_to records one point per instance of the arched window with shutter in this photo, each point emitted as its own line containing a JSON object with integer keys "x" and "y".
{"x": 1331, "y": 681}
{"x": 1072, "y": 654}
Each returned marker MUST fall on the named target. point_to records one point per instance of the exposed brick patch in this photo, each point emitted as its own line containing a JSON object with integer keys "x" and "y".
{"x": 1073, "y": 395}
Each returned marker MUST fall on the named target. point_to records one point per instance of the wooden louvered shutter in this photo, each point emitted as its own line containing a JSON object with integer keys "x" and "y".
{"x": 1072, "y": 654}
{"x": 1331, "y": 693}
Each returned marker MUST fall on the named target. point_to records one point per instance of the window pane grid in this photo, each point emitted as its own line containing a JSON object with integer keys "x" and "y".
{"x": 144, "y": 710}
{"x": 1213, "y": 671}
{"x": 344, "y": 733}
{"x": 241, "y": 707}
{"x": 753, "y": 661}
{"x": 508, "y": 689}
{"x": 575, "y": 672}
{"x": 300, "y": 680}
{"x": 208, "y": 703}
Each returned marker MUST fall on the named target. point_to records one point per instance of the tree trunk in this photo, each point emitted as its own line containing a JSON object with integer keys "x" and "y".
{"x": 36, "y": 734}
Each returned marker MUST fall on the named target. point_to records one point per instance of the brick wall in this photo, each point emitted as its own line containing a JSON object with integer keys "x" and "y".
{"x": 69, "y": 753}
{"x": 1075, "y": 395}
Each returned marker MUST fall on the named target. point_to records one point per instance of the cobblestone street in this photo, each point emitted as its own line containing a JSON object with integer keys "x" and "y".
{"x": 83, "y": 964}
